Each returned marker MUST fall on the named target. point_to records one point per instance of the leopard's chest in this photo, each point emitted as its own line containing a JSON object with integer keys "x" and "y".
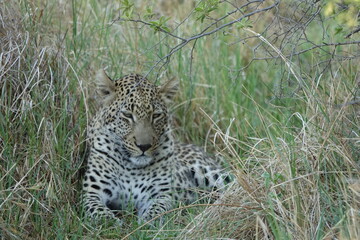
{"x": 139, "y": 186}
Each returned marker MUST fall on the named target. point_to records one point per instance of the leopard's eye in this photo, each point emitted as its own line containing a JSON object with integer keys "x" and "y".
{"x": 127, "y": 115}
{"x": 157, "y": 115}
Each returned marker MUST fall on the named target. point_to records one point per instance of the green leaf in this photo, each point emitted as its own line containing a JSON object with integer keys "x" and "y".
{"x": 149, "y": 13}
{"x": 166, "y": 29}
{"x": 127, "y": 8}
{"x": 338, "y": 30}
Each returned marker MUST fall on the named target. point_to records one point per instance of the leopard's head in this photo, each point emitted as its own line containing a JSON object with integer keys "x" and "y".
{"x": 136, "y": 112}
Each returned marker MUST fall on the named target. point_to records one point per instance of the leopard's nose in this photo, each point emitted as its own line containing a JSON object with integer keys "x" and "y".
{"x": 144, "y": 147}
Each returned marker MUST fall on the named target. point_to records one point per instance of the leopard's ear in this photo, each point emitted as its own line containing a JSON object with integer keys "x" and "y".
{"x": 105, "y": 87}
{"x": 168, "y": 90}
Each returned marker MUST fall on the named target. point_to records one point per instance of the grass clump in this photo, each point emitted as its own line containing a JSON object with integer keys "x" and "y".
{"x": 41, "y": 128}
{"x": 299, "y": 181}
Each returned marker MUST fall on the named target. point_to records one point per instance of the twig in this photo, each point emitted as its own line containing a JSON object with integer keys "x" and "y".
{"x": 203, "y": 34}
{"x": 353, "y": 32}
{"x": 355, "y": 102}
{"x": 311, "y": 48}
{"x": 151, "y": 25}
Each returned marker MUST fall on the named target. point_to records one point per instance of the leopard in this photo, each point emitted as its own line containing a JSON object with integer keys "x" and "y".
{"x": 134, "y": 160}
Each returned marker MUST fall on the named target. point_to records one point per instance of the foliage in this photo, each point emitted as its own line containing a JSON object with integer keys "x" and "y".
{"x": 160, "y": 24}
{"x": 346, "y": 12}
{"x": 205, "y": 7}
{"x": 127, "y": 8}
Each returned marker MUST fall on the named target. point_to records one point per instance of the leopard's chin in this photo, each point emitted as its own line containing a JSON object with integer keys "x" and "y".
{"x": 141, "y": 161}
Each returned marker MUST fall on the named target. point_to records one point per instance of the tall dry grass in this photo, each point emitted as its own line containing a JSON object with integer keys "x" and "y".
{"x": 296, "y": 182}
{"x": 42, "y": 125}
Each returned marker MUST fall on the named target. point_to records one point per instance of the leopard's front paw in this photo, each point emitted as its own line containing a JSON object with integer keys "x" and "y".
{"x": 150, "y": 217}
